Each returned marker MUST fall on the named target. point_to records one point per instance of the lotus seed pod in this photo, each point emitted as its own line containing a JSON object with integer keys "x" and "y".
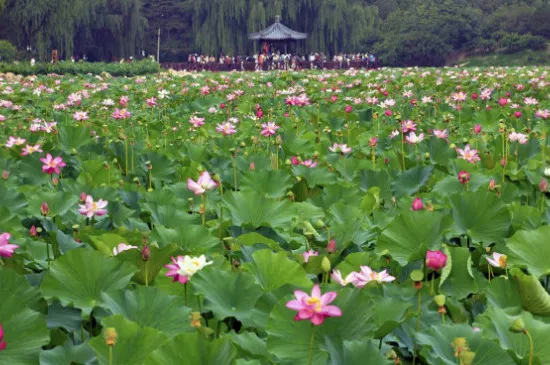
{"x": 518, "y": 325}
{"x": 325, "y": 265}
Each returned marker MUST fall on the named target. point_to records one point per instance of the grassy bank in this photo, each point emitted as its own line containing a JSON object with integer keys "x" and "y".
{"x": 523, "y": 58}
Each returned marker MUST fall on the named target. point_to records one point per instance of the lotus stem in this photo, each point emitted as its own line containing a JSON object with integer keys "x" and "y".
{"x": 126, "y": 154}
{"x": 531, "y": 346}
{"x": 204, "y": 209}
{"x": 146, "y": 273}
{"x": 110, "y": 355}
{"x": 419, "y": 310}
{"x": 185, "y": 294}
{"x": 311, "y": 341}
{"x": 403, "y": 150}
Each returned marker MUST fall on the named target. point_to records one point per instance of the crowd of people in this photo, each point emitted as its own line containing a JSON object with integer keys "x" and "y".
{"x": 282, "y": 61}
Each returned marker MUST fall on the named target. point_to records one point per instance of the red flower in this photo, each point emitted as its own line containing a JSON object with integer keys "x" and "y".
{"x": 436, "y": 260}
{"x": 463, "y": 177}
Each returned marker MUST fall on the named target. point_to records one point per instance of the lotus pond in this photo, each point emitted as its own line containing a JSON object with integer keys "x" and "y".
{"x": 397, "y": 216}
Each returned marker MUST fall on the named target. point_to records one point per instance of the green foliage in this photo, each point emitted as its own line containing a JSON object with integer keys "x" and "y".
{"x": 114, "y": 69}
{"x": 7, "y": 51}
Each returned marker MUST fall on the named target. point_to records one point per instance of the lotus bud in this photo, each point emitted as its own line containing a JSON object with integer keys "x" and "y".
{"x": 492, "y": 185}
{"x": 331, "y": 246}
{"x": 33, "y": 232}
{"x": 467, "y": 357}
{"x": 439, "y": 300}
{"x": 518, "y": 325}
{"x": 503, "y": 162}
{"x": 427, "y": 155}
{"x": 477, "y": 129}
{"x": 146, "y": 253}
{"x": 5, "y": 175}
{"x": 110, "y": 336}
{"x": 463, "y": 177}
{"x": 44, "y": 209}
{"x": 543, "y": 186}
{"x": 74, "y": 152}
{"x": 83, "y": 197}
{"x": 325, "y": 265}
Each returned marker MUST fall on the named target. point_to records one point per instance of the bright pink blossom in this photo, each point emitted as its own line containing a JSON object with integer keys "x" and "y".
{"x": 6, "y": 250}
{"x": 29, "y": 150}
{"x": 464, "y": 177}
{"x": 417, "y": 204}
{"x": 202, "y": 185}
{"x": 226, "y": 128}
{"x": 269, "y": 129}
{"x": 91, "y": 207}
{"x": 52, "y": 165}
{"x": 468, "y": 154}
{"x": 436, "y": 260}
{"x": 314, "y": 307}
{"x": 2, "y": 343}
{"x": 308, "y": 254}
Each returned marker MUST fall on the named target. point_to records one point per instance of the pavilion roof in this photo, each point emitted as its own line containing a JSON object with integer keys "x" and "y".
{"x": 277, "y": 32}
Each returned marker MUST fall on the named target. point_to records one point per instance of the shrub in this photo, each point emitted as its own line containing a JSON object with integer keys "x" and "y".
{"x": 94, "y": 68}
{"x": 7, "y": 51}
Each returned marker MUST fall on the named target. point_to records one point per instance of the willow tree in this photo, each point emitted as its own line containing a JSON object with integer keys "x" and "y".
{"x": 55, "y": 24}
{"x": 333, "y": 25}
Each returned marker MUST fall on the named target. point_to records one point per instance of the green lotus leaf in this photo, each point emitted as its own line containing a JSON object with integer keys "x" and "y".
{"x": 532, "y": 294}
{"x": 439, "y": 346}
{"x": 495, "y": 323}
{"x": 65, "y": 281}
{"x": 152, "y": 267}
{"x": 481, "y": 216}
{"x": 25, "y": 331}
{"x": 412, "y": 180}
{"x": 12, "y": 283}
{"x": 227, "y": 294}
{"x": 150, "y": 307}
{"x": 81, "y": 354}
{"x": 252, "y": 209}
{"x": 503, "y": 293}
{"x": 530, "y": 249}
{"x": 357, "y": 352}
{"x": 268, "y": 183}
{"x": 193, "y": 349}
{"x": 273, "y": 270}
{"x": 250, "y": 343}
{"x": 410, "y": 234}
{"x": 133, "y": 343}
{"x": 458, "y": 280}
{"x": 192, "y": 239}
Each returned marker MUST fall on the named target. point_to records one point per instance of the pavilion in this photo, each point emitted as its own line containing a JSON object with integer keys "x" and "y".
{"x": 277, "y": 34}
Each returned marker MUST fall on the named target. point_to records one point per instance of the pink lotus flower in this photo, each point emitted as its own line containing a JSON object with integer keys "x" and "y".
{"x": 464, "y": 177}
{"x": 412, "y": 138}
{"x": 408, "y": 125}
{"x": 314, "y": 308}
{"x": 518, "y": 137}
{"x": 309, "y": 163}
{"x": 417, "y": 204}
{"x": 226, "y": 128}
{"x": 91, "y": 207}
{"x": 367, "y": 275}
{"x": 203, "y": 184}
{"x": 196, "y": 121}
{"x": 14, "y": 141}
{"x": 269, "y": 129}
{"x": 349, "y": 108}
{"x": 29, "y": 150}
{"x": 52, "y": 165}
{"x": 342, "y": 148}
{"x": 309, "y": 253}
{"x": 295, "y": 161}
{"x": 477, "y": 129}
{"x": 517, "y": 114}
{"x": 122, "y": 247}
{"x": 124, "y": 101}
{"x": 497, "y": 260}
{"x": 151, "y": 102}
{"x": 441, "y": 134}
{"x": 184, "y": 267}
{"x": 492, "y": 185}
{"x": 543, "y": 186}
{"x": 121, "y": 114}
{"x": 468, "y": 154}
{"x": 543, "y": 114}
{"x": 80, "y": 116}
{"x": 337, "y": 277}
{"x": 2, "y": 343}
{"x": 436, "y": 260}
{"x": 6, "y": 249}
{"x": 373, "y": 142}
{"x": 502, "y": 101}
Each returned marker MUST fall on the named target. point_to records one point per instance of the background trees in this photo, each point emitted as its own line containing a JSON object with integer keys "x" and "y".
{"x": 401, "y": 32}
